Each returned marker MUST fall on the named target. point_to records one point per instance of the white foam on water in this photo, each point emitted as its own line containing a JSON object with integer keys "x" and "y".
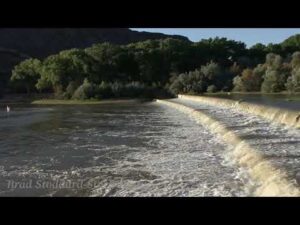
{"x": 287, "y": 117}
{"x": 257, "y": 144}
{"x": 157, "y": 151}
{"x": 185, "y": 161}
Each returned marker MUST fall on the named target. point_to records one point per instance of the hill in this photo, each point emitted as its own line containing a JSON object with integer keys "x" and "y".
{"x": 41, "y": 42}
{"x": 17, "y": 44}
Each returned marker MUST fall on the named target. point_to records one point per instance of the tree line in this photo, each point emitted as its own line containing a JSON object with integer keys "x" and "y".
{"x": 156, "y": 68}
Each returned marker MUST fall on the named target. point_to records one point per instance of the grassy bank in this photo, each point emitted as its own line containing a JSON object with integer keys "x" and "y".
{"x": 48, "y": 99}
{"x": 82, "y": 102}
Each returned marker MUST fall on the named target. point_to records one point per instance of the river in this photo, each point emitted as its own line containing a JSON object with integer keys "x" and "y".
{"x": 127, "y": 149}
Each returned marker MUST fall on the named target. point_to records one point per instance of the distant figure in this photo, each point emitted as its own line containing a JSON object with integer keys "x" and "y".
{"x": 298, "y": 177}
{"x": 7, "y": 109}
{"x": 297, "y": 118}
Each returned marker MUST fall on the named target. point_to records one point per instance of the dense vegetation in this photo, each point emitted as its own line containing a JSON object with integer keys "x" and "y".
{"x": 154, "y": 68}
{"x": 42, "y": 42}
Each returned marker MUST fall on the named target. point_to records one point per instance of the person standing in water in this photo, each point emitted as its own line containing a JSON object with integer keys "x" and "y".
{"x": 7, "y": 111}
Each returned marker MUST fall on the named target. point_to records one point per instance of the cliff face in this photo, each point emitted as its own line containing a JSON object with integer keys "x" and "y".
{"x": 41, "y": 42}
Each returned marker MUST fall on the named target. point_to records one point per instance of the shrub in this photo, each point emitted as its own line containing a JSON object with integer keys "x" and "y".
{"x": 293, "y": 81}
{"x": 192, "y": 82}
{"x": 85, "y": 91}
{"x": 71, "y": 88}
{"x": 211, "y": 89}
{"x": 104, "y": 90}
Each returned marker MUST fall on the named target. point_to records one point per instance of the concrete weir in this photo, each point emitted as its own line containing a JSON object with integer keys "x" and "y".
{"x": 278, "y": 115}
{"x": 271, "y": 181}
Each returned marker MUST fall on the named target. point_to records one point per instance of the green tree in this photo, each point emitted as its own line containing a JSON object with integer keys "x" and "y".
{"x": 295, "y": 63}
{"x": 85, "y": 91}
{"x": 250, "y": 80}
{"x": 61, "y": 69}
{"x": 26, "y": 74}
{"x": 177, "y": 54}
{"x": 214, "y": 74}
{"x": 104, "y": 90}
{"x": 107, "y": 58}
{"x": 272, "y": 82}
{"x": 211, "y": 88}
{"x": 54, "y": 73}
{"x": 276, "y": 74}
{"x": 257, "y": 53}
{"x": 219, "y": 50}
{"x": 293, "y": 81}
{"x": 274, "y": 48}
{"x": 71, "y": 88}
{"x": 238, "y": 84}
{"x": 291, "y": 44}
{"x": 212, "y": 71}
{"x": 192, "y": 82}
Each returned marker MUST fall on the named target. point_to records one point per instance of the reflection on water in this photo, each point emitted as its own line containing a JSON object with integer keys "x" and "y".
{"x": 112, "y": 150}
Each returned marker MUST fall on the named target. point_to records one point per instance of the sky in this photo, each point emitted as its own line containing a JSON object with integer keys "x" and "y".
{"x": 249, "y": 36}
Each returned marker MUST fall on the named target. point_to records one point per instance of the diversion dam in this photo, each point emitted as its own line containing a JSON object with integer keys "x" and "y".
{"x": 177, "y": 147}
{"x": 132, "y": 149}
{"x": 268, "y": 151}
{"x": 289, "y": 118}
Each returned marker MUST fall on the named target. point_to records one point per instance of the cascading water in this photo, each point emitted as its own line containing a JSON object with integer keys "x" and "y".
{"x": 144, "y": 149}
{"x": 147, "y": 149}
{"x": 234, "y": 128}
{"x": 278, "y": 115}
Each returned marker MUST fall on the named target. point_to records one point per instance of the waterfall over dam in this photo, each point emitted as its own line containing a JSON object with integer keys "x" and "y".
{"x": 278, "y": 115}
{"x": 176, "y": 147}
{"x": 267, "y": 150}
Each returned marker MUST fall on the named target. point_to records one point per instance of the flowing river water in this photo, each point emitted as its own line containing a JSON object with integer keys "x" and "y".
{"x": 136, "y": 149}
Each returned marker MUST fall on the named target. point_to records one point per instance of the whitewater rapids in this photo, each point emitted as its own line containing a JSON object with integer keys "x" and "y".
{"x": 269, "y": 152}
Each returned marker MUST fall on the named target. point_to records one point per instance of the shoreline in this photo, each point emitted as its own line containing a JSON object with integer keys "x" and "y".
{"x": 48, "y": 99}
{"x": 84, "y": 102}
